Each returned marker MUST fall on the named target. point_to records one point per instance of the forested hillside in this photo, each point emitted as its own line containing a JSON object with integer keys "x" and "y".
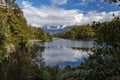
{"x": 80, "y": 32}
{"x": 13, "y": 25}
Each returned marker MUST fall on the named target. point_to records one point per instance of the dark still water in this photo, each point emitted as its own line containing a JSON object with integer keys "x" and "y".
{"x": 65, "y": 52}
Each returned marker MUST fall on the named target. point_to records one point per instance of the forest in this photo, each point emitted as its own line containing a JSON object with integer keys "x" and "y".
{"x": 79, "y": 32}
{"x": 20, "y": 61}
{"x": 14, "y": 25}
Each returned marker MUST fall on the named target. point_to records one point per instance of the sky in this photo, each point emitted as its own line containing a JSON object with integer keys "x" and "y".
{"x": 67, "y": 12}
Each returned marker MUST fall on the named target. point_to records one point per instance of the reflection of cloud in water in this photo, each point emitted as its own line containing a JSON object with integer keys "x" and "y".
{"x": 53, "y": 56}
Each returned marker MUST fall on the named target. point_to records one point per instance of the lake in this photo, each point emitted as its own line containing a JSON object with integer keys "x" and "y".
{"x": 63, "y": 52}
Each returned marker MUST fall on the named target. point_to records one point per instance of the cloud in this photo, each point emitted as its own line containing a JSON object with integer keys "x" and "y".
{"x": 58, "y": 2}
{"x": 47, "y": 15}
{"x": 61, "y": 55}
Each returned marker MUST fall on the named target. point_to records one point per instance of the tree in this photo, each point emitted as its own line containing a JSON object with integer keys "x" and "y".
{"x": 40, "y": 34}
{"x": 73, "y": 35}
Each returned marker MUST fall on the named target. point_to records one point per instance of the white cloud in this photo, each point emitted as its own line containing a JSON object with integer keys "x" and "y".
{"x": 60, "y": 55}
{"x": 46, "y": 15}
{"x": 58, "y": 2}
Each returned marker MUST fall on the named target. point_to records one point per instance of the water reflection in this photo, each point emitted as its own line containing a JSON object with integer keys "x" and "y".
{"x": 65, "y": 52}
{"x": 60, "y": 56}
{"x": 83, "y": 49}
{"x": 66, "y": 43}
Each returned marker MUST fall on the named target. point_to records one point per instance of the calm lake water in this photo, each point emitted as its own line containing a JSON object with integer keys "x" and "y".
{"x": 65, "y": 52}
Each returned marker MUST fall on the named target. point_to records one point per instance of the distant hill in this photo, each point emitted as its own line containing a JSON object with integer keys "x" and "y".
{"x": 57, "y": 29}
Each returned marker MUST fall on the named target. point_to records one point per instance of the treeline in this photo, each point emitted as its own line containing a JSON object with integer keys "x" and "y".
{"x": 79, "y": 32}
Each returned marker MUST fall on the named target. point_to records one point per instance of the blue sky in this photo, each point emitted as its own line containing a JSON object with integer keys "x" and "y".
{"x": 66, "y": 12}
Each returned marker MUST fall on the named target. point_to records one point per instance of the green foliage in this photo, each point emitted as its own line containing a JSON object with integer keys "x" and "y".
{"x": 3, "y": 37}
{"x": 14, "y": 26}
{"x": 39, "y": 34}
{"x": 20, "y": 65}
{"x": 81, "y": 32}
{"x": 108, "y": 33}
{"x": 49, "y": 37}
